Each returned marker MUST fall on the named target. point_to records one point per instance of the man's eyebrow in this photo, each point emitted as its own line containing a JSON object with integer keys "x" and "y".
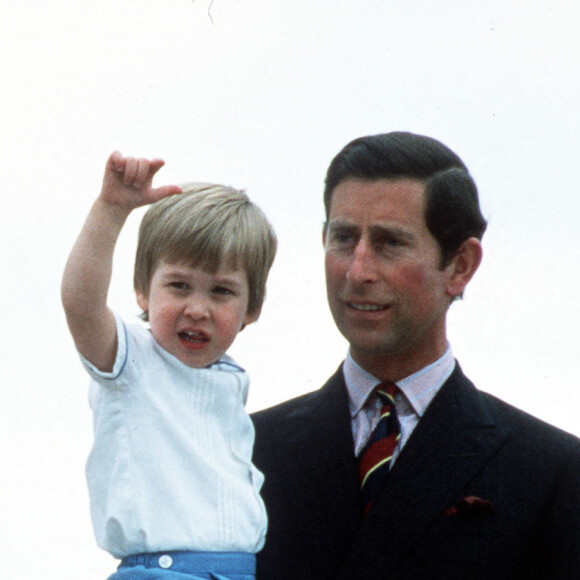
{"x": 382, "y": 229}
{"x": 389, "y": 230}
{"x": 342, "y": 224}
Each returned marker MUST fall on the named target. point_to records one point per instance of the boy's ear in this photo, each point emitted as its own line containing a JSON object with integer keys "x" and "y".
{"x": 463, "y": 266}
{"x": 251, "y": 317}
{"x": 142, "y": 301}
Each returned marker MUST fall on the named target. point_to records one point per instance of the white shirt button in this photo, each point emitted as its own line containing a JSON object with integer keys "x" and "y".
{"x": 165, "y": 561}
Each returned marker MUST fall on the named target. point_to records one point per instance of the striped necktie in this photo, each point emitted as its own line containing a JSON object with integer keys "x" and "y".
{"x": 375, "y": 458}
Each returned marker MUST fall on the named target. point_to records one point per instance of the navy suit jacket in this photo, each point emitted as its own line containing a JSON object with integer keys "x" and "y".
{"x": 467, "y": 443}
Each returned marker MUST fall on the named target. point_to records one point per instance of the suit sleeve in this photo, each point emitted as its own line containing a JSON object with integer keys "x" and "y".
{"x": 560, "y": 534}
{"x": 279, "y": 559}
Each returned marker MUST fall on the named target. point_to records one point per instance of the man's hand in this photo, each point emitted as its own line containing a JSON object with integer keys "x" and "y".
{"x": 128, "y": 182}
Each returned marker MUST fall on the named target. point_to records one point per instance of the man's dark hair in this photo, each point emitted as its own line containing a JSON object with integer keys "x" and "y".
{"x": 452, "y": 211}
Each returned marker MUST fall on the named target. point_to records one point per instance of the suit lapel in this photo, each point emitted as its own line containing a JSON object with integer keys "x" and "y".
{"x": 453, "y": 440}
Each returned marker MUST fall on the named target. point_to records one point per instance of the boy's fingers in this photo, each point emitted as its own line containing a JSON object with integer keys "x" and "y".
{"x": 166, "y": 191}
{"x": 135, "y": 172}
{"x": 156, "y": 165}
{"x": 142, "y": 173}
{"x": 116, "y": 161}
{"x": 131, "y": 166}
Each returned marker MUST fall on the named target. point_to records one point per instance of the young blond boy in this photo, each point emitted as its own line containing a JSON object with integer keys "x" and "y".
{"x": 173, "y": 491}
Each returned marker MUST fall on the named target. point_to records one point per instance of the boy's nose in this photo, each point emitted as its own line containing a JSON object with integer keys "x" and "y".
{"x": 197, "y": 309}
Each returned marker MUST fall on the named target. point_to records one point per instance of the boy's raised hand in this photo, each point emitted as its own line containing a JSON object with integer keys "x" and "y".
{"x": 128, "y": 182}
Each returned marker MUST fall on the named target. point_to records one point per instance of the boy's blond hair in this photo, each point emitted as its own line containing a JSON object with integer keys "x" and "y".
{"x": 207, "y": 226}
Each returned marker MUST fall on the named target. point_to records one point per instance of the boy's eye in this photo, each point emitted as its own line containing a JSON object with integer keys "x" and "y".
{"x": 223, "y": 291}
{"x": 179, "y": 285}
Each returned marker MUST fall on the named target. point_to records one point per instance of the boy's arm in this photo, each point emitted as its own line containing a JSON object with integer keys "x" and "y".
{"x": 127, "y": 184}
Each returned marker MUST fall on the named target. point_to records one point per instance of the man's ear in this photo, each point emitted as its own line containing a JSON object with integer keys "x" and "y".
{"x": 463, "y": 266}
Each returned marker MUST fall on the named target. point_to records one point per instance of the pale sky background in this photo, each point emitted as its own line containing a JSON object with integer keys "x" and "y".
{"x": 261, "y": 95}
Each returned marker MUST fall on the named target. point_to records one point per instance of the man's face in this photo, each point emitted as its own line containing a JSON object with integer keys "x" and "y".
{"x": 386, "y": 290}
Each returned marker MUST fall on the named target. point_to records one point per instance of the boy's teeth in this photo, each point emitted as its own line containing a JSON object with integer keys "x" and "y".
{"x": 192, "y": 335}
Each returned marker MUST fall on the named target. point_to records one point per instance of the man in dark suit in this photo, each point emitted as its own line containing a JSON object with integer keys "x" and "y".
{"x": 473, "y": 488}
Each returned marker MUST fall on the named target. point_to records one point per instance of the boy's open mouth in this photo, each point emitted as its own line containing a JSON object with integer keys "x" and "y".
{"x": 193, "y": 337}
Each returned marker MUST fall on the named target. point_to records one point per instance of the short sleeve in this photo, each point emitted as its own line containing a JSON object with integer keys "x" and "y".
{"x": 120, "y": 359}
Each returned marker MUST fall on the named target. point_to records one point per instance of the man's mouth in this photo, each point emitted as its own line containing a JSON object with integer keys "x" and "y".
{"x": 366, "y": 307}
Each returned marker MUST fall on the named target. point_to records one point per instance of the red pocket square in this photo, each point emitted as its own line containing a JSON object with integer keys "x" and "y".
{"x": 471, "y": 505}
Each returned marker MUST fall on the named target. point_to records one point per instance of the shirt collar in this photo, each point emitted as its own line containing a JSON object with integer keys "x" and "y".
{"x": 419, "y": 388}
{"x": 226, "y": 363}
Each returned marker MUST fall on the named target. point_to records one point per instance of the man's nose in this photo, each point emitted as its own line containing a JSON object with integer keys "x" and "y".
{"x": 363, "y": 264}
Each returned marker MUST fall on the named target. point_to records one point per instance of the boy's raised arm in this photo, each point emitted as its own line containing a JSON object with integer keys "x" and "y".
{"x": 127, "y": 184}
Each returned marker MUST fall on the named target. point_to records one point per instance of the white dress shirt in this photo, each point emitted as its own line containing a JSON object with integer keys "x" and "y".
{"x": 414, "y": 395}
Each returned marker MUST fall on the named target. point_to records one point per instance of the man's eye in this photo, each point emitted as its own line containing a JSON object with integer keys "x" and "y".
{"x": 342, "y": 238}
{"x": 388, "y": 242}
{"x": 392, "y": 242}
{"x": 223, "y": 291}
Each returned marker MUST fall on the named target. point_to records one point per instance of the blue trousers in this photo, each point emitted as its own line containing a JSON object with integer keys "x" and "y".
{"x": 187, "y": 566}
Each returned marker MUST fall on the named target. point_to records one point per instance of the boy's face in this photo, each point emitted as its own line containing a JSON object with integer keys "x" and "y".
{"x": 196, "y": 315}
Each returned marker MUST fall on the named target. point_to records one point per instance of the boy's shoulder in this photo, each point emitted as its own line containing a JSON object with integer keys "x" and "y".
{"x": 134, "y": 344}
{"x": 227, "y": 363}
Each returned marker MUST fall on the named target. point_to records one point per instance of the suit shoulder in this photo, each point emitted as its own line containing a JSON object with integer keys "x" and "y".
{"x": 518, "y": 422}
{"x": 303, "y": 404}
{"x": 528, "y": 426}
{"x": 282, "y": 409}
